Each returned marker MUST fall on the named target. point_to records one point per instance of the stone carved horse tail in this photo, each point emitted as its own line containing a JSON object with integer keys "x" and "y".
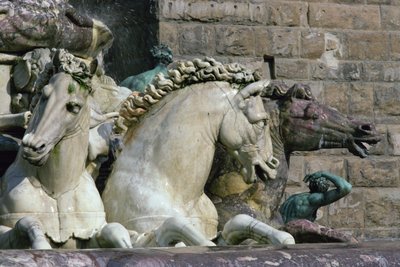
{"x": 46, "y": 196}
{"x": 196, "y": 107}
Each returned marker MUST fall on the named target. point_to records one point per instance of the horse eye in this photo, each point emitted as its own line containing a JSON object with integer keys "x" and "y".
{"x": 74, "y": 107}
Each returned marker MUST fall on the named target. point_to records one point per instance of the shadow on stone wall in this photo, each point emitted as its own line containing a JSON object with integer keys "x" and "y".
{"x": 135, "y": 28}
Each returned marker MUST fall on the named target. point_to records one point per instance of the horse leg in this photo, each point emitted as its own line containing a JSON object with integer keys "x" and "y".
{"x": 175, "y": 230}
{"x": 112, "y": 235}
{"x": 27, "y": 233}
{"x": 242, "y": 227}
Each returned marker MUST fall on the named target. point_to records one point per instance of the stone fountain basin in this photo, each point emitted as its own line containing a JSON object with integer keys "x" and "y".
{"x": 377, "y": 253}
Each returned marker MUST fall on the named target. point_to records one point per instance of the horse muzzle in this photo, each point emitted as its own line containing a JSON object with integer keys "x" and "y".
{"x": 35, "y": 151}
{"x": 266, "y": 170}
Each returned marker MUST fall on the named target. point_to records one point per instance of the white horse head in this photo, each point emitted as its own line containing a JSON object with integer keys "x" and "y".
{"x": 245, "y": 133}
{"x": 61, "y": 110}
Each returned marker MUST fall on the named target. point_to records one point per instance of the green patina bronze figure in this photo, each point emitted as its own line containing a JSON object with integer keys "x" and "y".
{"x": 163, "y": 55}
{"x": 305, "y": 205}
{"x": 299, "y": 211}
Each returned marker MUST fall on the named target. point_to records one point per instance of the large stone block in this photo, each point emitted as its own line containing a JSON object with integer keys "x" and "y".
{"x": 280, "y": 42}
{"x": 383, "y": 233}
{"x": 390, "y": 17}
{"x": 382, "y": 207}
{"x": 236, "y": 41}
{"x": 347, "y": 212}
{"x": 367, "y": 45}
{"x": 361, "y": 17}
{"x": 391, "y": 71}
{"x": 332, "y": 164}
{"x": 382, "y": 147}
{"x": 213, "y": 11}
{"x": 276, "y": 13}
{"x": 169, "y": 36}
{"x": 373, "y": 71}
{"x": 262, "y": 41}
{"x": 320, "y": 71}
{"x": 172, "y": 9}
{"x": 312, "y": 44}
{"x": 197, "y": 40}
{"x": 295, "y": 69}
{"x": 337, "y": 1}
{"x": 374, "y": 172}
{"x": 296, "y": 171}
{"x": 361, "y": 99}
{"x": 395, "y": 46}
{"x": 383, "y": 2}
{"x": 386, "y": 102}
{"x": 283, "y": 43}
{"x": 348, "y": 71}
{"x": 393, "y": 139}
{"x": 287, "y": 14}
{"x": 336, "y": 95}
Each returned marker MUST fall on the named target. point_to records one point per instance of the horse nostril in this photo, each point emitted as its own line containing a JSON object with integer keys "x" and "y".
{"x": 40, "y": 148}
{"x": 366, "y": 127}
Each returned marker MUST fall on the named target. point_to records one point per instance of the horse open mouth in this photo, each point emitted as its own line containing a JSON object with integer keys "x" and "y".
{"x": 261, "y": 174}
{"x": 34, "y": 158}
{"x": 360, "y": 147}
{"x": 267, "y": 170}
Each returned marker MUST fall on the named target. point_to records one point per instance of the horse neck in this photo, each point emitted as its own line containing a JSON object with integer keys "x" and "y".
{"x": 184, "y": 129}
{"x": 275, "y": 132}
{"x": 276, "y": 187}
{"x": 66, "y": 163}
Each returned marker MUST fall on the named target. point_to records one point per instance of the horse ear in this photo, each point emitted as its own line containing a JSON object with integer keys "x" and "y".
{"x": 249, "y": 101}
{"x": 254, "y": 110}
{"x": 93, "y": 66}
{"x": 255, "y": 88}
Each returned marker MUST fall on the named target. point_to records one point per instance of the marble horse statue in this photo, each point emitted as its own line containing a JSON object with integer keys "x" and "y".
{"x": 29, "y": 29}
{"x": 157, "y": 183}
{"x": 298, "y": 122}
{"x": 47, "y": 199}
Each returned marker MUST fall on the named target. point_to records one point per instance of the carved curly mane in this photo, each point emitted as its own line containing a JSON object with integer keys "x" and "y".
{"x": 186, "y": 73}
{"x": 63, "y": 61}
{"x": 277, "y": 90}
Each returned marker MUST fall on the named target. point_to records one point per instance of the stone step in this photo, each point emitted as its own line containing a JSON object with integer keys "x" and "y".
{"x": 333, "y": 254}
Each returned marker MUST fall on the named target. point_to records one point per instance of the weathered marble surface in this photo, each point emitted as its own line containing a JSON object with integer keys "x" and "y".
{"x": 367, "y": 254}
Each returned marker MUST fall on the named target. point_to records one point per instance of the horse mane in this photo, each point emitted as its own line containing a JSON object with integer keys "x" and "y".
{"x": 63, "y": 61}
{"x": 278, "y": 90}
{"x": 185, "y": 73}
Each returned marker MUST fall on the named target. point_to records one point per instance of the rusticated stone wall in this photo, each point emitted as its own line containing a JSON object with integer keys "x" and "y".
{"x": 347, "y": 50}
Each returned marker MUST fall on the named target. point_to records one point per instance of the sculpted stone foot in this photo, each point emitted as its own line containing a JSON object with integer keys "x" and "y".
{"x": 242, "y": 227}
{"x": 173, "y": 231}
{"x": 33, "y": 229}
{"x": 113, "y": 235}
{"x": 27, "y": 233}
